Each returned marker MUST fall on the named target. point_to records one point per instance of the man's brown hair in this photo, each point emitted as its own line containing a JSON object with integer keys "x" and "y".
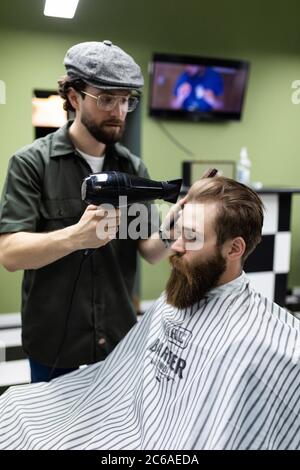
{"x": 64, "y": 85}
{"x": 240, "y": 212}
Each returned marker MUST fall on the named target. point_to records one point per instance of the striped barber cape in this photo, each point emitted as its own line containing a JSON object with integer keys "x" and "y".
{"x": 223, "y": 374}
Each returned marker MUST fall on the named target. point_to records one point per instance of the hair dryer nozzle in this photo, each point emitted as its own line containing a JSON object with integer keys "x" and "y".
{"x": 172, "y": 189}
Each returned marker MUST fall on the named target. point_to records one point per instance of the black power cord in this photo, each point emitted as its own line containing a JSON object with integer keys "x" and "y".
{"x": 174, "y": 140}
{"x": 84, "y": 257}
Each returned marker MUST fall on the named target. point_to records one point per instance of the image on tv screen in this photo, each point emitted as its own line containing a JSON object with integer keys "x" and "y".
{"x": 198, "y": 88}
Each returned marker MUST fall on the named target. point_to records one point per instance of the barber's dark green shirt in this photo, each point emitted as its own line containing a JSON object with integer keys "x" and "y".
{"x": 42, "y": 193}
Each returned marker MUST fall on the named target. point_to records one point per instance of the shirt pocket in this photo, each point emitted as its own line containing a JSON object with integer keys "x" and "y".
{"x": 57, "y": 213}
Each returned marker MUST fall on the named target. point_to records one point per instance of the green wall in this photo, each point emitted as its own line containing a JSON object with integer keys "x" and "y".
{"x": 270, "y": 127}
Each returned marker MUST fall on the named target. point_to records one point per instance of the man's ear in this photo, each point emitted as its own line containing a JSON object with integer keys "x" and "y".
{"x": 235, "y": 248}
{"x": 73, "y": 97}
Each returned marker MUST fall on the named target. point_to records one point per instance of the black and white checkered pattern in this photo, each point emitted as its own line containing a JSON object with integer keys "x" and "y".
{"x": 268, "y": 266}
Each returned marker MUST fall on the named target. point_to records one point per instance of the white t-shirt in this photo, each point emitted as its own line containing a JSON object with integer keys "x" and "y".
{"x": 96, "y": 163}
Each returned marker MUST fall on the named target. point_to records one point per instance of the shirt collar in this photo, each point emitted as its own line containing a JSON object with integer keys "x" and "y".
{"x": 61, "y": 142}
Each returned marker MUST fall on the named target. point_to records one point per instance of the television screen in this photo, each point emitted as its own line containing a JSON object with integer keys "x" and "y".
{"x": 197, "y": 88}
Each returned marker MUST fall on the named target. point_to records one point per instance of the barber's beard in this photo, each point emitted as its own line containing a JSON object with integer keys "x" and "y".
{"x": 105, "y": 132}
{"x": 189, "y": 284}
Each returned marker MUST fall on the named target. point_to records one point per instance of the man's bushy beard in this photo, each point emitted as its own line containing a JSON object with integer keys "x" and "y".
{"x": 189, "y": 284}
{"x": 104, "y": 135}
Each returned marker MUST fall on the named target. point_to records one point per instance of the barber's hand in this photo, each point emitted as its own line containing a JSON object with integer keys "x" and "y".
{"x": 167, "y": 227}
{"x": 97, "y": 227}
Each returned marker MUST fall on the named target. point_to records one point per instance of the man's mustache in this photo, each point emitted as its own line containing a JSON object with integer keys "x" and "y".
{"x": 176, "y": 260}
{"x": 180, "y": 265}
{"x": 114, "y": 122}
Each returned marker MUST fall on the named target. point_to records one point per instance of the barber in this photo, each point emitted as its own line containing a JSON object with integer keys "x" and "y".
{"x": 45, "y": 227}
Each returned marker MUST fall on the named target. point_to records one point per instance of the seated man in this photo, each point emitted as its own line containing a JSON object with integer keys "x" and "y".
{"x": 212, "y": 365}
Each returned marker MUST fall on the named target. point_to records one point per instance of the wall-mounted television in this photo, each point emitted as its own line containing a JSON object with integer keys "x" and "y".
{"x": 197, "y": 88}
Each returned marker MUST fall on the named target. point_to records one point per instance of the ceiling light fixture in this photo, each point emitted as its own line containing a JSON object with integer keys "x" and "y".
{"x": 60, "y": 8}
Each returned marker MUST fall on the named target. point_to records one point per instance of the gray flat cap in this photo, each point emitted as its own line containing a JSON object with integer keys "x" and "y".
{"x": 103, "y": 65}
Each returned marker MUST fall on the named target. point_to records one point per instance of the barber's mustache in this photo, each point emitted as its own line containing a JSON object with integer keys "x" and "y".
{"x": 113, "y": 122}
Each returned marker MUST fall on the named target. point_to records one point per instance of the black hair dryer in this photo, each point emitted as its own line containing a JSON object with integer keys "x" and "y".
{"x": 107, "y": 187}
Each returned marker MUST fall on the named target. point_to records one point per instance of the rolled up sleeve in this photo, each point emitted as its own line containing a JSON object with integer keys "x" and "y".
{"x": 21, "y": 196}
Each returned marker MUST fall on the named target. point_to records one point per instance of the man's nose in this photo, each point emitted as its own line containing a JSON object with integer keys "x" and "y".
{"x": 179, "y": 245}
{"x": 117, "y": 110}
